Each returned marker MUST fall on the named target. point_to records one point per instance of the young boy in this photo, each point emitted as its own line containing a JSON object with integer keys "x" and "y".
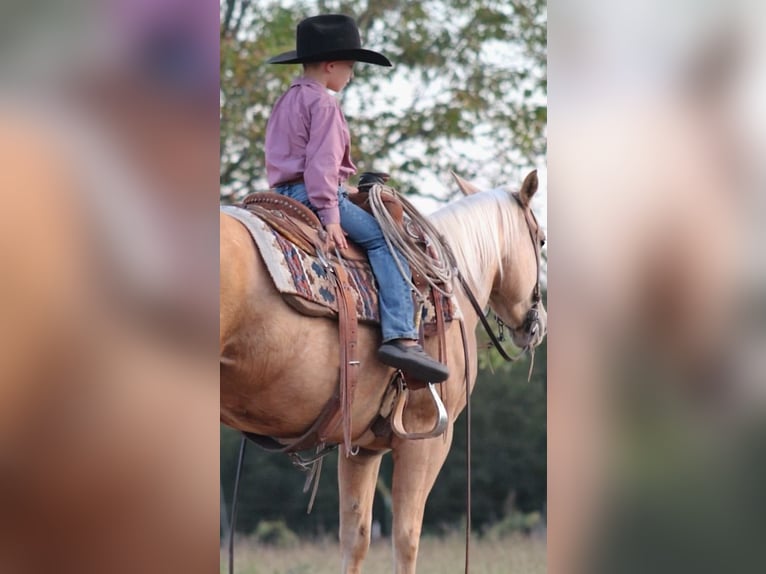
{"x": 308, "y": 159}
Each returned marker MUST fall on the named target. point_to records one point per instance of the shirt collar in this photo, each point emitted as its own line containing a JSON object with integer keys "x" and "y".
{"x": 304, "y": 81}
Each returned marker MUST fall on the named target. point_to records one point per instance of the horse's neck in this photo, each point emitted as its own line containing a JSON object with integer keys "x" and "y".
{"x": 481, "y": 286}
{"x": 479, "y": 275}
{"x": 481, "y": 229}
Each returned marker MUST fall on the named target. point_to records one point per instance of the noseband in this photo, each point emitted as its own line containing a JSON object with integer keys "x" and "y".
{"x": 532, "y": 319}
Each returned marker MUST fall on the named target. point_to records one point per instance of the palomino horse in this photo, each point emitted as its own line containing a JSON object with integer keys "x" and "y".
{"x": 279, "y": 368}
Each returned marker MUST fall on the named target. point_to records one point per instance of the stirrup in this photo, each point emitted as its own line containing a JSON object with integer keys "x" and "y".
{"x": 397, "y": 425}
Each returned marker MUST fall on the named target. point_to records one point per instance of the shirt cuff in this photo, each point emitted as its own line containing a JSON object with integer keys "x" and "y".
{"x": 329, "y": 215}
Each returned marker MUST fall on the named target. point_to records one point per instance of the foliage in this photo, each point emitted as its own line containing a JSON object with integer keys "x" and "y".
{"x": 467, "y": 76}
{"x": 276, "y": 533}
{"x": 271, "y": 489}
{"x": 513, "y": 523}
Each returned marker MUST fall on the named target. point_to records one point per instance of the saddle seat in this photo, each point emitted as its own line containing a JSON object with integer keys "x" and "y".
{"x": 297, "y": 223}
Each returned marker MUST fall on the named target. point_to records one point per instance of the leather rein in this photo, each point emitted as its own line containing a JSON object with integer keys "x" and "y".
{"x": 532, "y": 317}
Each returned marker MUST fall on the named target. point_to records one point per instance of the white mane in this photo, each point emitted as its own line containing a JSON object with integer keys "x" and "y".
{"x": 476, "y": 228}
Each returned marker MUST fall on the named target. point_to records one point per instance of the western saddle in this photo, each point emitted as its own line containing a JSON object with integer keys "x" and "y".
{"x": 298, "y": 224}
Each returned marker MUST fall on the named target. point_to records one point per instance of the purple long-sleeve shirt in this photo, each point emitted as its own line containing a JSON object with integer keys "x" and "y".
{"x": 307, "y": 136}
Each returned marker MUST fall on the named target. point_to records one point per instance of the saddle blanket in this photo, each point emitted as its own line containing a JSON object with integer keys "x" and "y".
{"x": 305, "y": 285}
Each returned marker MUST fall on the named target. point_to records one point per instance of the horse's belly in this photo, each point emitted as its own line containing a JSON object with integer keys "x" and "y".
{"x": 285, "y": 402}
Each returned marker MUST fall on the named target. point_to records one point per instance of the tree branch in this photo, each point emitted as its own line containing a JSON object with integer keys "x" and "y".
{"x": 227, "y": 17}
{"x": 240, "y": 16}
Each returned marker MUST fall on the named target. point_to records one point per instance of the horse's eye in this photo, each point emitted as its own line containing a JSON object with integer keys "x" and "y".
{"x": 542, "y": 243}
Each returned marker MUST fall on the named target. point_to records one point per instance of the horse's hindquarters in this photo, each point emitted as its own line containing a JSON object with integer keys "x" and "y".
{"x": 279, "y": 368}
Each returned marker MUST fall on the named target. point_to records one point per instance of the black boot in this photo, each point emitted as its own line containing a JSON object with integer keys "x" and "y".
{"x": 412, "y": 360}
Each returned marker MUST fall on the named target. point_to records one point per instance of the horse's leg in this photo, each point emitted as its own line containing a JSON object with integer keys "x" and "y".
{"x": 416, "y": 465}
{"x": 357, "y": 477}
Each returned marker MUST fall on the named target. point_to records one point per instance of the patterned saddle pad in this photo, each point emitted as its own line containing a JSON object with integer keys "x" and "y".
{"x": 304, "y": 284}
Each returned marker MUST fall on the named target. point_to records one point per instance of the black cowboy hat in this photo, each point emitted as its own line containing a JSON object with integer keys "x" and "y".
{"x": 329, "y": 37}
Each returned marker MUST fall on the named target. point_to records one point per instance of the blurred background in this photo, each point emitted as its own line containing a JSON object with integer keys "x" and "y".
{"x": 656, "y": 287}
{"x": 108, "y": 338}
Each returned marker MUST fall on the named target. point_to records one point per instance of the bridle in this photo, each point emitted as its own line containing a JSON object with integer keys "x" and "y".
{"x": 532, "y": 319}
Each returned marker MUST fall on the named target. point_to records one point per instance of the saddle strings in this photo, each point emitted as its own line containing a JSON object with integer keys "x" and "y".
{"x": 438, "y": 271}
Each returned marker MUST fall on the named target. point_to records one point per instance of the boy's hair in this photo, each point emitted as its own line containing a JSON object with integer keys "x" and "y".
{"x": 310, "y": 65}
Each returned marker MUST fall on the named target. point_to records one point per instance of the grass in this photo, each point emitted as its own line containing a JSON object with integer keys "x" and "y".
{"x": 512, "y": 555}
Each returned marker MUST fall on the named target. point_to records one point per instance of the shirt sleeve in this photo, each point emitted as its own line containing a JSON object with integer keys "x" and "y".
{"x": 324, "y": 154}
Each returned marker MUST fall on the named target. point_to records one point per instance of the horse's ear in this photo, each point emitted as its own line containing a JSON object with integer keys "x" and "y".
{"x": 529, "y": 187}
{"x": 465, "y": 186}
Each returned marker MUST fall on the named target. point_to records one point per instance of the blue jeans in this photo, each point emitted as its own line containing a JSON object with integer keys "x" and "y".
{"x": 397, "y": 309}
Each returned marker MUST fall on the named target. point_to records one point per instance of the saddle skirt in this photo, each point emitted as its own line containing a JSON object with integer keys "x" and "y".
{"x": 303, "y": 280}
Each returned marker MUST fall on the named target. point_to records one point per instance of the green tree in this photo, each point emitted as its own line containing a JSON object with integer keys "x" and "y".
{"x": 467, "y": 75}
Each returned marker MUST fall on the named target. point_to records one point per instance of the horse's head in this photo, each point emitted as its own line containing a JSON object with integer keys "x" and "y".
{"x": 515, "y": 292}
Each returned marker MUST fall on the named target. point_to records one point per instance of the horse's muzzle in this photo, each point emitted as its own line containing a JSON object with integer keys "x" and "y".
{"x": 532, "y": 331}
{"x": 532, "y": 320}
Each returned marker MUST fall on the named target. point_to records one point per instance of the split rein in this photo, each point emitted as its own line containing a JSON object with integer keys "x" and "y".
{"x": 495, "y": 340}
